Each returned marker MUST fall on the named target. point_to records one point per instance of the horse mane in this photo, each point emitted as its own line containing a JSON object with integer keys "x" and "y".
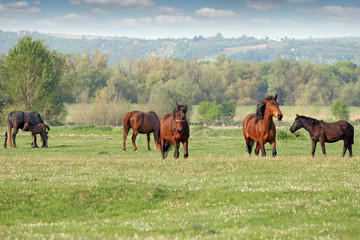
{"x": 261, "y": 108}
{"x": 310, "y": 121}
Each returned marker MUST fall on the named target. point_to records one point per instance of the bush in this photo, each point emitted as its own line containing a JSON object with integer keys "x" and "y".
{"x": 340, "y": 110}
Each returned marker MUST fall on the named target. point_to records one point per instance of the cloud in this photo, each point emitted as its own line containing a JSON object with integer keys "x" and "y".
{"x": 268, "y": 5}
{"x": 132, "y": 21}
{"x": 209, "y": 12}
{"x": 336, "y": 12}
{"x": 173, "y": 19}
{"x": 99, "y": 11}
{"x": 117, "y": 3}
{"x": 73, "y": 17}
{"x": 19, "y": 8}
{"x": 169, "y": 10}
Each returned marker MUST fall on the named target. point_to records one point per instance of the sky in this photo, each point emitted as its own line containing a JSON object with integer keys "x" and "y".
{"x": 152, "y": 19}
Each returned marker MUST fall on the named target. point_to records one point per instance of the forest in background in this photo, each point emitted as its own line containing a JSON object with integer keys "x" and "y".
{"x": 159, "y": 82}
{"x": 243, "y": 48}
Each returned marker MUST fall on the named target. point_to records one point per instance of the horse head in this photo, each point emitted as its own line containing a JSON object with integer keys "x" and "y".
{"x": 273, "y": 106}
{"x": 297, "y": 124}
{"x": 179, "y": 115}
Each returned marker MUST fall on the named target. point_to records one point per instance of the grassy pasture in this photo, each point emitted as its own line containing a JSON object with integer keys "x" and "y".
{"x": 85, "y": 187}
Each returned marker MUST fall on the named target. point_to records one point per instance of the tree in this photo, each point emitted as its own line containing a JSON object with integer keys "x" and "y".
{"x": 210, "y": 110}
{"x": 340, "y": 110}
{"x": 228, "y": 110}
{"x": 30, "y": 75}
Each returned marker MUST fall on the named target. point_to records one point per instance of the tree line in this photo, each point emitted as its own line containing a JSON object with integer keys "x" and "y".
{"x": 36, "y": 78}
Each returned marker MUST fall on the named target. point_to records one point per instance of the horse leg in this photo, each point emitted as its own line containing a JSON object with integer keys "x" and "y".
{"x": 257, "y": 149}
{"x": 322, "y": 143}
{"x": 125, "y": 133}
{"x": 313, "y": 147}
{"x": 263, "y": 152}
{"x": 133, "y": 138}
{"x": 350, "y": 150}
{"x": 148, "y": 140}
{"x": 162, "y": 144}
{"x": 273, "y": 146}
{"x": 14, "y": 135}
{"x": 249, "y": 143}
{"x": 185, "y": 145}
{"x": 176, "y": 153}
{"x": 34, "y": 145}
{"x": 6, "y": 137}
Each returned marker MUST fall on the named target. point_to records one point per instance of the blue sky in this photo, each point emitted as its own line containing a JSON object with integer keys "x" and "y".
{"x": 152, "y": 19}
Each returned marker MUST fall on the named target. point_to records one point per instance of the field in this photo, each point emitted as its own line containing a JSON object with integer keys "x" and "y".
{"x": 85, "y": 187}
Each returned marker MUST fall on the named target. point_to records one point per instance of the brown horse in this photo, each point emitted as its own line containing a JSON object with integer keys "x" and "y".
{"x": 260, "y": 127}
{"x": 141, "y": 122}
{"x": 322, "y": 132}
{"x": 40, "y": 129}
{"x": 175, "y": 129}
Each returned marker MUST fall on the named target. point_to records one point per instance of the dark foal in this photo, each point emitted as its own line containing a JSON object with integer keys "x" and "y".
{"x": 322, "y": 132}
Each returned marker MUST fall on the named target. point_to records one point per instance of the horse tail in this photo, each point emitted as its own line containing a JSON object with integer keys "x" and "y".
{"x": 167, "y": 147}
{"x": 9, "y": 128}
{"x": 352, "y": 137}
{"x": 126, "y": 121}
{"x": 47, "y": 126}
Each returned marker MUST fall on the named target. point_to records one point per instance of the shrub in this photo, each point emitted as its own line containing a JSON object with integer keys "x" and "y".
{"x": 340, "y": 110}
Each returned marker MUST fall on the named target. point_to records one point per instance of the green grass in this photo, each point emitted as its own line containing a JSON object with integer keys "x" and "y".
{"x": 85, "y": 187}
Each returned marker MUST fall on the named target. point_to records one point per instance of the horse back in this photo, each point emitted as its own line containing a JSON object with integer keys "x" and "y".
{"x": 337, "y": 130}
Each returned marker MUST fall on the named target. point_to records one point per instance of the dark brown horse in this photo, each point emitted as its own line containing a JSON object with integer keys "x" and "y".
{"x": 17, "y": 120}
{"x": 260, "y": 127}
{"x": 141, "y": 122}
{"x": 175, "y": 129}
{"x": 322, "y": 132}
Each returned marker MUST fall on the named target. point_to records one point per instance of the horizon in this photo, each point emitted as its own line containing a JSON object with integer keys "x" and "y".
{"x": 161, "y": 19}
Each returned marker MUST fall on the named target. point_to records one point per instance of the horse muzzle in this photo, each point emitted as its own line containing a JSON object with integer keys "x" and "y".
{"x": 279, "y": 117}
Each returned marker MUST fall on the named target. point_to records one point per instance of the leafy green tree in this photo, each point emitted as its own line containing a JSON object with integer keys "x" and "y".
{"x": 340, "y": 110}
{"x": 30, "y": 75}
{"x": 210, "y": 110}
{"x": 228, "y": 110}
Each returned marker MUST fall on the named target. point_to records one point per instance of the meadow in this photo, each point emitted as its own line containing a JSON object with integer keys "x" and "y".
{"x": 85, "y": 187}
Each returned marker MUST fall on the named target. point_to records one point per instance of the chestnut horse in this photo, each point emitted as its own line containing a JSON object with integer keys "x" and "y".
{"x": 141, "y": 122}
{"x": 322, "y": 132}
{"x": 175, "y": 129}
{"x": 259, "y": 127}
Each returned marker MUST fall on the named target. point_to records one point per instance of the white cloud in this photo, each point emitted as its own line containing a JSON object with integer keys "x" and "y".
{"x": 268, "y": 5}
{"x": 132, "y": 21}
{"x": 172, "y": 19}
{"x": 119, "y": 3}
{"x": 99, "y": 11}
{"x": 18, "y": 8}
{"x": 169, "y": 10}
{"x": 336, "y": 12}
{"x": 73, "y": 17}
{"x": 209, "y": 12}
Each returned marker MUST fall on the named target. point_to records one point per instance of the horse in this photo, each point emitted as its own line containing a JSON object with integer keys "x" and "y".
{"x": 141, "y": 122}
{"x": 322, "y": 132}
{"x": 175, "y": 129}
{"x": 39, "y": 128}
{"x": 259, "y": 127}
{"x": 17, "y": 120}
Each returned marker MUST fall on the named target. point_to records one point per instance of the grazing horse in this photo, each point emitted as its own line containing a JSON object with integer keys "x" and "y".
{"x": 16, "y": 120}
{"x": 322, "y": 132}
{"x": 39, "y": 128}
{"x": 141, "y": 122}
{"x": 175, "y": 129}
{"x": 259, "y": 127}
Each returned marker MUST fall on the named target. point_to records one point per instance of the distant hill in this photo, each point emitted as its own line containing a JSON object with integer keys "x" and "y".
{"x": 322, "y": 51}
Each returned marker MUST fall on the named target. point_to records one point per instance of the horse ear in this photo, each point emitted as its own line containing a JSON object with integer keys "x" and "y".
{"x": 176, "y": 106}
{"x": 185, "y": 107}
{"x": 275, "y": 97}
